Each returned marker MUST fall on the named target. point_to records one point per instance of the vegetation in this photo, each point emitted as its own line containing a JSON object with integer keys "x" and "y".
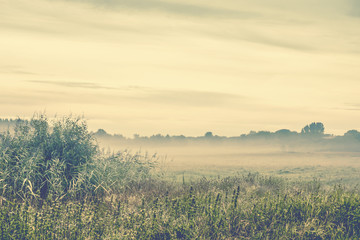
{"x": 56, "y": 183}
{"x": 314, "y": 128}
{"x": 61, "y": 160}
{"x": 243, "y": 207}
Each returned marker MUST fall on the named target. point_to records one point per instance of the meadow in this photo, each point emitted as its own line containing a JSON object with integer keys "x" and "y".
{"x": 212, "y": 160}
{"x": 57, "y": 183}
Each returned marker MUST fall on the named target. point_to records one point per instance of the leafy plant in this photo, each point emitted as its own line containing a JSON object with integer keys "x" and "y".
{"x": 39, "y": 159}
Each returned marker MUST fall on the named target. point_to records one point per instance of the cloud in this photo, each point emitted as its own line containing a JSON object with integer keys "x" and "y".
{"x": 88, "y": 85}
{"x": 191, "y": 98}
{"x": 279, "y": 43}
{"x": 354, "y": 8}
{"x": 139, "y": 93}
{"x": 49, "y": 93}
{"x": 168, "y": 98}
{"x": 172, "y": 7}
{"x": 261, "y": 38}
{"x": 352, "y": 107}
{"x": 15, "y": 70}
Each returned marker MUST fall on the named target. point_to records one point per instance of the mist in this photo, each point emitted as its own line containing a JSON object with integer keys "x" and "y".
{"x": 305, "y": 155}
{"x": 285, "y": 153}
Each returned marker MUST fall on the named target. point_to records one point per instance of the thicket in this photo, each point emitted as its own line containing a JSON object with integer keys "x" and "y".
{"x": 57, "y": 184}
{"x": 41, "y": 159}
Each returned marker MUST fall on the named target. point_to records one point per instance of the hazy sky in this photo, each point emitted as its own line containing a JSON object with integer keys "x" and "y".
{"x": 183, "y": 67}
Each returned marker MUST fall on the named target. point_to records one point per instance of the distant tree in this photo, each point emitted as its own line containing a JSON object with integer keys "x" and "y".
{"x": 208, "y": 135}
{"x": 352, "y": 134}
{"x": 285, "y": 133}
{"x": 101, "y": 132}
{"x": 315, "y": 128}
{"x": 179, "y": 137}
{"x": 263, "y": 134}
{"x": 120, "y": 136}
{"x": 157, "y": 137}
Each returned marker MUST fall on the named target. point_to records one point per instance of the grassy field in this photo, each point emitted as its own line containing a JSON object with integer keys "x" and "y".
{"x": 239, "y": 207}
{"x": 194, "y": 162}
{"x": 55, "y": 183}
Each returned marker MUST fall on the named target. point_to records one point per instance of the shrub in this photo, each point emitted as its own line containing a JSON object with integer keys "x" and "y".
{"x": 38, "y": 159}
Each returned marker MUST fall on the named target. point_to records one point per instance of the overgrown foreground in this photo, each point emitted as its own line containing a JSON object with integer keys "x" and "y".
{"x": 250, "y": 207}
{"x": 56, "y": 184}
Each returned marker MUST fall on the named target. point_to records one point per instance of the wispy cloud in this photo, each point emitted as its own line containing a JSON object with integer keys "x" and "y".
{"x": 172, "y": 7}
{"x": 89, "y": 85}
{"x": 354, "y": 8}
{"x": 131, "y": 95}
{"x": 260, "y": 38}
{"x": 142, "y": 96}
{"x": 279, "y": 43}
{"x": 15, "y": 70}
{"x": 192, "y": 98}
{"x": 352, "y": 107}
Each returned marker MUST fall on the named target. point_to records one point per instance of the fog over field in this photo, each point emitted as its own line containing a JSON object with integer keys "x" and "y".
{"x": 329, "y": 158}
{"x": 308, "y": 154}
{"x": 214, "y": 160}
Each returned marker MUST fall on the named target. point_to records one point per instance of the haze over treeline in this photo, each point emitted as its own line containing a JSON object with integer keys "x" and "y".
{"x": 311, "y": 137}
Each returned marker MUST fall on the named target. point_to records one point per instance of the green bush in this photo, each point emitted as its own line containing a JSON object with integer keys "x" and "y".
{"x": 38, "y": 159}
{"x": 41, "y": 159}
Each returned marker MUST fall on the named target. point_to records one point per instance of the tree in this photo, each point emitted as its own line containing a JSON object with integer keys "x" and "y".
{"x": 315, "y": 128}
{"x": 101, "y": 132}
{"x": 284, "y": 133}
{"x": 208, "y": 135}
{"x": 352, "y": 134}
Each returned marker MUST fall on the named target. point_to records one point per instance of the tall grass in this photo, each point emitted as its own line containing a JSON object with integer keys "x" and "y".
{"x": 59, "y": 159}
{"x": 240, "y": 207}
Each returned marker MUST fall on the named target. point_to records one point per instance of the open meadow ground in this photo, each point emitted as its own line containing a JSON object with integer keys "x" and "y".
{"x": 193, "y": 162}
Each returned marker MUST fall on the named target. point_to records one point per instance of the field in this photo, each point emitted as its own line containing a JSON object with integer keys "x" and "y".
{"x": 243, "y": 207}
{"x": 57, "y": 184}
{"x": 194, "y": 162}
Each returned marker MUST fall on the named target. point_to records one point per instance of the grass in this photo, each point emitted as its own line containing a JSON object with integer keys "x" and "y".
{"x": 238, "y": 207}
{"x": 40, "y": 159}
{"x": 91, "y": 194}
{"x": 211, "y": 161}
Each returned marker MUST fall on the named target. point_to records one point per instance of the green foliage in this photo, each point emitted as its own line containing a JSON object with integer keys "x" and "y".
{"x": 242, "y": 207}
{"x": 61, "y": 159}
{"x": 314, "y": 129}
{"x": 116, "y": 171}
{"x": 38, "y": 159}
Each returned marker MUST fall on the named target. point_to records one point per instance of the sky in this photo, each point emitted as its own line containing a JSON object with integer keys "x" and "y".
{"x": 183, "y": 67}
